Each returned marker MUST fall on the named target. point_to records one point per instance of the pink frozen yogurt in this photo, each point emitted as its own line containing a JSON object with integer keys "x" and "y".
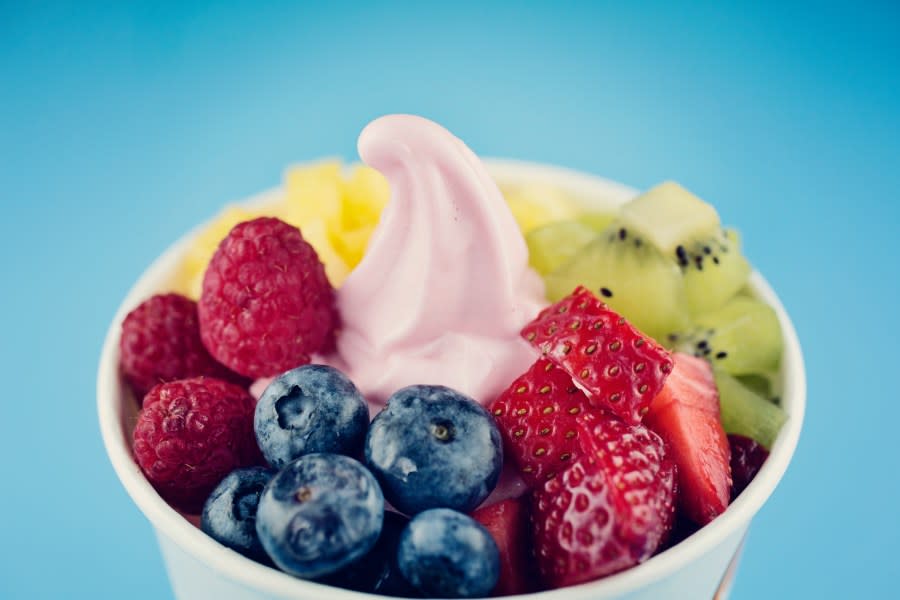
{"x": 444, "y": 287}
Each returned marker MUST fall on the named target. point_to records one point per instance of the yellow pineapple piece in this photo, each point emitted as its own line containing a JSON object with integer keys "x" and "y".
{"x": 314, "y": 192}
{"x": 351, "y": 244}
{"x": 336, "y": 215}
{"x": 315, "y": 232}
{"x": 366, "y": 192}
{"x": 534, "y": 205}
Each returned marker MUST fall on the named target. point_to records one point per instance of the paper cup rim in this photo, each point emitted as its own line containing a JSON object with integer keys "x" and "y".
{"x": 234, "y": 566}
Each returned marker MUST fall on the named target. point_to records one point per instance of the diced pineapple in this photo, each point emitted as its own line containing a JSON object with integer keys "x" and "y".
{"x": 366, "y": 193}
{"x": 335, "y": 215}
{"x": 314, "y": 192}
{"x": 315, "y": 232}
{"x": 535, "y": 205}
{"x": 351, "y": 243}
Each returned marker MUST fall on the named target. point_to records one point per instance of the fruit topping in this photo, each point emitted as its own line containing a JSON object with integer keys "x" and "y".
{"x": 507, "y": 522}
{"x": 746, "y": 413}
{"x": 190, "y": 434}
{"x": 747, "y": 458}
{"x": 632, "y": 276}
{"x": 335, "y": 211}
{"x": 446, "y": 554}
{"x": 266, "y": 303}
{"x": 536, "y": 204}
{"x": 686, "y": 415}
{"x": 742, "y": 337}
{"x": 537, "y": 416}
{"x": 620, "y": 369}
{"x": 313, "y": 408}
{"x": 161, "y": 342}
{"x": 229, "y": 514}
{"x": 714, "y": 270}
{"x": 668, "y": 215}
{"x": 687, "y": 230}
{"x": 554, "y": 244}
{"x": 319, "y": 514}
{"x": 433, "y": 447}
{"x": 610, "y": 510}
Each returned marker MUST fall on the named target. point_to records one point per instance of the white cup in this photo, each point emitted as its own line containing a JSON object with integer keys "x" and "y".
{"x": 700, "y": 567}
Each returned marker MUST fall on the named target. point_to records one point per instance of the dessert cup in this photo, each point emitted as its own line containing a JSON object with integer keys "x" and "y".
{"x": 702, "y": 566}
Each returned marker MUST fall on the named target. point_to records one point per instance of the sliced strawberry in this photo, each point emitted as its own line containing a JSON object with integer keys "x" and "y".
{"x": 620, "y": 368}
{"x": 537, "y": 416}
{"x": 507, "y": 523}
{"x": 686, "y": 415}
{"x": 610, "y": 510}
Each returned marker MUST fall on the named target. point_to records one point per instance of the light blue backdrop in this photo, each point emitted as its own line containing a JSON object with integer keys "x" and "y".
{"x": 122, "y": 126}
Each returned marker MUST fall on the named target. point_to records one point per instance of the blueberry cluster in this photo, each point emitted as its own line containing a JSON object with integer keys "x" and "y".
{"x": 318, "y": 511}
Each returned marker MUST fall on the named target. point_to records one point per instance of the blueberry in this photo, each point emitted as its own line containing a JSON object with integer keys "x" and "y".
{"x": 319, "y": 514}
{"x": 433, "y": 447}
{"x": 313, "y": 408}
{"x": 377, "y": 572}
{"x": 229, "y": 514}
{"x": 445, "y": 554}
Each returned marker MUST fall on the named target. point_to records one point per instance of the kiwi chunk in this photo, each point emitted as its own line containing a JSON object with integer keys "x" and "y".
{"x": 554, "y": 244}
{"x": 745, "y": 412}
{"x": 714, "y": 270}
{"x": 630, "y": 275}
{"x": 759, "y": 384}
{"x": 741, "y": 337}
{"x": 668, "y": 216}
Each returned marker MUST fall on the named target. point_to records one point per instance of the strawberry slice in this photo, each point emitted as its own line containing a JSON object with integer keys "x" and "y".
{"x": 686, "y": 415}
{"x": 610, "y": 510}
{"x": 537, "y": 416}
{"x": 620, "y": 368}
{"x": 507, "y": 523}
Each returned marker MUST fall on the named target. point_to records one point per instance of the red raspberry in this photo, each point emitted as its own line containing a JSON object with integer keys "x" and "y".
{"x": 190, "y": 434}
{"x": 538, "y": 418}
{"x": 747, "y": 458}
{"x": 161, "y": 342}
{"x": 619, "y": 367}
{"x": 610, "y": 510}
{"x": 266, "y": 303}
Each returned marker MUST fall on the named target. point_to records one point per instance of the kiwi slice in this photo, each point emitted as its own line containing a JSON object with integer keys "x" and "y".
{"x": 630, "y": 275}
{"x": 714, "y": 270}
{"x": 688, "y": 230}
{"x": 757, "y": 383}
{"x": 554, "y": 244}
{"x": 669, "y": 216}
{"x": 742, "y": 337}
{"x": 745, "y": 412}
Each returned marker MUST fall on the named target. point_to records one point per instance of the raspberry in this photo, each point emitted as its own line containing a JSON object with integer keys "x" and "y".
{"x": 266, "y": 303}
{"x": 190, "y": 434}
{"x": 161, "y": 342}
{"x": 747, "y": 458}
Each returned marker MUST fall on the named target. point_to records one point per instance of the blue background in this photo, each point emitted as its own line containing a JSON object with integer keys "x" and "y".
{"x": 123, "y": 125}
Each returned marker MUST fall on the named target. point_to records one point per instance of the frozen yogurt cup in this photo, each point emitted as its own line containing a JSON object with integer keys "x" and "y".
{"x": 702, "y": 566}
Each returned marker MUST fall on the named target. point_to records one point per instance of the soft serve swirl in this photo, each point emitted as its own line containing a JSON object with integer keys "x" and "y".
{"x": 444, "y": 287}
